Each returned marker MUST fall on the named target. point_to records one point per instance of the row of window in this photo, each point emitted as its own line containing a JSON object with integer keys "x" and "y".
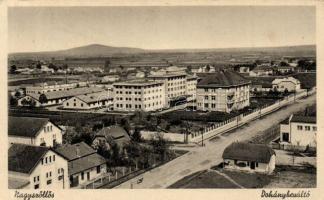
{"x": 48, "y": 128}
{"x": 307, "y": 128}
{"x": 177, "y": 83}
{"x": 176, "y": 88}
{"x": 48, "y": 159}
{"x": 215, "y": 90}
{"x": 138, "y": 105}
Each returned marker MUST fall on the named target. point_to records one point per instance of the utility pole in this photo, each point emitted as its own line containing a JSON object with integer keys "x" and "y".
{"x": 202, "y": 138}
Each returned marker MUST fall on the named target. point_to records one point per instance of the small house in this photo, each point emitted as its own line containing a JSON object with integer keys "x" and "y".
{"x": 249, "y": 157}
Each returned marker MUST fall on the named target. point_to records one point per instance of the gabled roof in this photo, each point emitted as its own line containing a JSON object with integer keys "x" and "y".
{"x": 25, "y": 126}
{"x": 84, "y": 163}
{"x": 286, "y": 79}
{"x": 303, "y": 119}
{"x": 248, "y": 152}
{"x": 94, "y": 97}
{"x": 116, "y": 133}
{"x": 23, "y": 158}
{"x": 75, "y": 151}
{"x": 223, "y": 78}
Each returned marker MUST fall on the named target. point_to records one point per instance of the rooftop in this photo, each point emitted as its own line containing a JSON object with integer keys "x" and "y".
{"x": 25, "y": 126}
{"x": 84, "y": 163}
{"x": 248, "y": 152}
{"x": 75, "y": 151}
{"x": 223, "y": 78}
{"x": 139, "y": 82}
{"x": 167, "y": 75}
{"x": 23, "y": 158}
{"x": 116, "y": 133}
{"x": 94, "y": 97}
{"x": 303, "y": 119}
{"x": 285, "y": 79}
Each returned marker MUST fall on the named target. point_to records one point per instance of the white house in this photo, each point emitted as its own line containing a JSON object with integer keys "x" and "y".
{"x": 35, "y": 167}
{"x": 249, "y": 157}
{"x": 33, "y": 131}
{"x": 110, "y": 78}
{"x": 89, "y": 101}
{"x": 289, "y": 83}
{"x": 299, "y": 131}
{"x": 261, "y": 71}
{"x": 84, "y": 164}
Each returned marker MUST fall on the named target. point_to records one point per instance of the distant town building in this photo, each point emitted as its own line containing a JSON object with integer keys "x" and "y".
{"x": 175, "y": 86}
{"x": 36, "y": 167}
{"x": 52, "y": 87}
{"x": 84, "y": 164}
{"x": 142, "y": 94}
{"x": 285, "y": 69}
{"x": 108, "y": 136}
{"x": 299, "y": 131}
{"x": 55, "y": 98}
{"x": 288, "y": 83}
{"x": 89, "y": 101}
{"x": 249, "y": 157}
{"x": 223, "y": 91}
{"x": 33, "y": 131}
{"x": 261, "y": 71}
{"x": 110, "y": 78}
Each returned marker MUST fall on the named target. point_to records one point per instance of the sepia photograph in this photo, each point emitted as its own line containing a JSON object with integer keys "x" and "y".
{"x": 161, "y": 97}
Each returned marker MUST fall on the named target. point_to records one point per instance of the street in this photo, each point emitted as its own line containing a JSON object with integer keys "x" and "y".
{"x": 200, "y": 158}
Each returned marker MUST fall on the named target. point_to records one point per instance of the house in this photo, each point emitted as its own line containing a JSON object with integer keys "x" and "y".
{"x": 223, "y": 91}
{"x": 299, "y": 131}
{"x": 89, "y": 101}
{"x": 285, "y": 69}
{"x": 261, "y": 71}
{"x": 36, "y": 167}
{"x": 288, "y": 83}
{"x": 53, "y": 86}
{"x": 249, "y": 157}
{"x": 84, "y": 164}
{"x": 33, "y": 131}
{"x": 110, "y": 78}
{"x": 55, "y": 97}
{"x": 111, "y": 135}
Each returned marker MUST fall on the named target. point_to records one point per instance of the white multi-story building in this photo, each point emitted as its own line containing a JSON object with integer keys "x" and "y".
{"x": 223, "y": 91}
{"x": 33, "y": 131}
{"x": 175, "y": 86}
{"x": 288, "y": 83}
{"x": 36, "y": 167}
{"x": 142, "y": 94}
{"x": 299, "y": 131}
{"x": 191, "y": 88}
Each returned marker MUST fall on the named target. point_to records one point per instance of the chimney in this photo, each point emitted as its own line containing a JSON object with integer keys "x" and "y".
{"x": 77, "y": 150}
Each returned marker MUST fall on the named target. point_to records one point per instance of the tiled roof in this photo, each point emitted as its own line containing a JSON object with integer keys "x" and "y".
{"x": 223, "y": 78}
{"x": 84, "y": 163}
{"x": 25, "y": 126}
{"x": 17, "y": 183}
{"x": 116, "y": 133}
{"x": 94, "y": 97}
{"x": 23, "y": 158}
{"x": 303, "y": 119}
{"x": 248, "y": 152}
{"x": 75, "y": 151}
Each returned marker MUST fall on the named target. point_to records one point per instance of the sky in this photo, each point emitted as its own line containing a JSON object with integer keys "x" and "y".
{"x": 33, "y": 29}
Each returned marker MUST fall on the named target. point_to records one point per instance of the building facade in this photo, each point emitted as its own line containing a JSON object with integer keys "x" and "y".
{"x": 142, "y": 94}
{"x": 34, "y": 167}
{"x": 223, "y": 91}
{"x": 33, "y": 131}
{"x": 175, "y": 86}
{"x": 299, "y": 131}
{"x": 289, "y": 83}
{"x": 191, "y": 88}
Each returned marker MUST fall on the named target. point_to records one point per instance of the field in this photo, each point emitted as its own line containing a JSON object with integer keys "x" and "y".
{"x": 283, "y": 177}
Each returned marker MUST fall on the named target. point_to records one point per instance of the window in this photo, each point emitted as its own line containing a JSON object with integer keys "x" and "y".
{"x": 299, "y": 127}
{"x": 46, "y": 160}
{"x": 74, "y": 104}
{"x": 206, "y": 97}
{"x": 53, "y": 158}
{"x": 67, "y": 104}
{"x": 36, "y": 186}
{"x": 314, "y": 128}
{"x": 256, "y": 164}
{"x": 82, "y": 175}
{"x": 206, "y": 105}
{"x": 35, "y": 178}
{"x": 98, "y": 169}
{"x": 49, "y": 182}
{"x": 81, "y": 104}
{"x": 307, "y": 128}
{"x": 213, "y": 97}
{"x": 50, "y": 159}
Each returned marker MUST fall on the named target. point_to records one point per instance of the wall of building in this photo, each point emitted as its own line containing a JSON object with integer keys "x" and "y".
{"x": 48, "y": 134}
{"x": 20, "y": 140}
{"x": 262, "y": 167}
{"x": 93, "y": 174}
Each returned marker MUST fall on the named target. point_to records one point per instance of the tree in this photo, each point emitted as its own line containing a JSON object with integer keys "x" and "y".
{"x": 137, "y": 135}
{"x": 159, "y": 145}
{"x": 13, "y": 69}
{"x": 43, "y": 99}
{"x": 107, "y": 65}
{"x": 52, "y": 66}
{"x": 65, "y": 67}
{"x": 38, "y": 65}
{"x": 125, "y": 124}
{"x": 283, "y": 64}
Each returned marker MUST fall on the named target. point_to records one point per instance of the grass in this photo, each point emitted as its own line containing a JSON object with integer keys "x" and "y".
{"x": 249, "y": 180}
{"x": 203, "y": 179}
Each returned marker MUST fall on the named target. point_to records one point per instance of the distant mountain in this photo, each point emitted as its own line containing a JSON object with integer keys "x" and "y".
{"x": 98, "y": 50}
{"x": 93, "y": 50}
